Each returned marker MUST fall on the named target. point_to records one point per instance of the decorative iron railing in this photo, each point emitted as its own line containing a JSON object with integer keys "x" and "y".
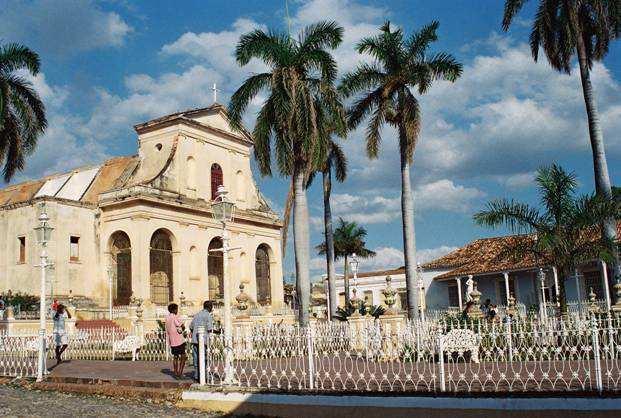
{"x": 447, "y": 355}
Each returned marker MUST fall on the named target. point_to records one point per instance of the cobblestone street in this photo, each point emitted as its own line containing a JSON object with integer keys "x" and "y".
{"x": 19, "y": 402}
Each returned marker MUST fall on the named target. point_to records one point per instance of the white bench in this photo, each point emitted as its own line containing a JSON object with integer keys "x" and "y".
{"x": 129, "y": 344}
{"x": 461, "y": 341}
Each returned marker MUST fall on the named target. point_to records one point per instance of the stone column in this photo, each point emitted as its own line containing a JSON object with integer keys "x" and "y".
{"x": 461, "y": 307}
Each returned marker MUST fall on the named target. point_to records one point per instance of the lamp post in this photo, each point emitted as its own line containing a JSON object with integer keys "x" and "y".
{"x": 542, "y": 281}
{"x": 353, "y": 264}
{"x": 223, "y": 211}
{"x": 110, "y": 282}
{"x": 43, "y": 232}
{"x": 421, "y": 292}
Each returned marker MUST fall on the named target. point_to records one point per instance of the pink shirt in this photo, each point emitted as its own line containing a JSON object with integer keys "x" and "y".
{"x": 174, "y": 338}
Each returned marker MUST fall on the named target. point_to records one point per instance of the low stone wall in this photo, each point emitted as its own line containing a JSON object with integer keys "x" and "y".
{"x": 313, "y": 405}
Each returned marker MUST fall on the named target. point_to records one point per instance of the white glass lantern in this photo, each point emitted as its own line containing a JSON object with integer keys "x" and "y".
{"x": 44, "y": 231}
{"x": 223, "y": 208}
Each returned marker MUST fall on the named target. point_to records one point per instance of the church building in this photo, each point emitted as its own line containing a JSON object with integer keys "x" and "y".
{"x": 143, "y": 225}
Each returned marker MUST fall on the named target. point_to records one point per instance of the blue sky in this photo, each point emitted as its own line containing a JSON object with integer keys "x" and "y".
{"x": 107, "y": 65}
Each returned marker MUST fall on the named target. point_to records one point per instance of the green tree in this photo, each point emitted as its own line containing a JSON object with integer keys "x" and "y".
{"x": 292, "y": 122}
{"x": 585, "y": 28}
{"x": 386, "y": 88}
{"x": 567, "y": 230}
{"x": 348, "y": 240}
{"x": 22, "y": 113}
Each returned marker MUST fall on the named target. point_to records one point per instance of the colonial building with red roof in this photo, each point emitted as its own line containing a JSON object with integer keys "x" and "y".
{"x": 488, "y": 262}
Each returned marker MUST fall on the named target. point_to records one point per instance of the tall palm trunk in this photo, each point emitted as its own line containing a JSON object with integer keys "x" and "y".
{"x": 409, "y": 243}
{"x": 285, "y": 220}
{"x": 327, "y": 222}
{"x": 600, "y": 165}
{"x": 562, "y": 293}
{"x": 301, "y": 243}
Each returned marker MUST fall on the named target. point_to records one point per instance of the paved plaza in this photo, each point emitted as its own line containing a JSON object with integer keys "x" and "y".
{"x": 136, "y": 373}
{"x": 20, "y": 402}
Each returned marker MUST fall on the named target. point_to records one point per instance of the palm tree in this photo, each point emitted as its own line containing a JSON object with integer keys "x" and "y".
{"x": 22, "y": 113}
{"x": 563, "y": 28}
{"x": 348, "y": 240}
{"x": 335, "y": 160}
{"x": 568, "y": 230}
{"x": 301, "y": 102}
{"x": 401, "y": 65}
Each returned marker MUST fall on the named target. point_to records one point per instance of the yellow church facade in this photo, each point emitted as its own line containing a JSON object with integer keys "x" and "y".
{"x": 142, "y": 226}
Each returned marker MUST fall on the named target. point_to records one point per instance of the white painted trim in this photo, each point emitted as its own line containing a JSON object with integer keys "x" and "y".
{"x": 508, "y": 404}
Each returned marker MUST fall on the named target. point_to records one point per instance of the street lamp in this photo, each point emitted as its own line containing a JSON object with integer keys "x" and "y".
{"x": 43, "y": 233}
{"x": 110, "y": 285}
{"x": 223, "y": 210}
{"x": 353, "y": 264}
{"x": 421, "y": 292}
{"x": 542, "y": 281}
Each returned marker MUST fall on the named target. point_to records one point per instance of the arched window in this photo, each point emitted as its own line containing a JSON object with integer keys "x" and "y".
{"x": 194, "y": 264}
{"x": 215, "y": 269}
{"x": 216, "y": 180}
{"x": 121, "y": 255}
{"x": 262, "y": 271}
{"x": 161, "y": 268}
{"x": 191, "y": 180}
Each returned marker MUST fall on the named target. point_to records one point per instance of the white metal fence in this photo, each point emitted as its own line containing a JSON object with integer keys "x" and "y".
{"x": 476, "y": 356}
{"x": 526, "y": 355}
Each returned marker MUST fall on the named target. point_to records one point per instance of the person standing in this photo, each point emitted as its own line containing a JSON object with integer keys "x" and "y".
{"x": 175, "y": 330}
{"x": 203, "y": 318}
{"x": 61, "y": 339}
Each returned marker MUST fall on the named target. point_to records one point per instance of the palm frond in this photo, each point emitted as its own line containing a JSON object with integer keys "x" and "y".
{"x": 274, "y": 48}
{"x": 319, "y": 36}
{"x": 419, "y": 42}
{"x": 338, "y": 160}
{"x": 363, "y": 78}
{"x": 15, "y": 56}
{"x": 512, "y": 7}
{"x": 517, "y": 217}
{"x": 244, "y": 95}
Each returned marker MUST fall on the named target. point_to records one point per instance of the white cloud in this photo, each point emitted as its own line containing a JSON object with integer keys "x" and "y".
{"x": 428, "y": 254}
{"x": 362, "y": 209}
{"x": 216, "y": 50}
{"x": 504, "y": 117}
{"x": 370, "y": 208}
{"x": 446, "y": 195}
{"x": 62, "y": 26}
{"x": 386, "y": 258}
{"x": 358, "y": 21}
{"x": 149, "y": 97}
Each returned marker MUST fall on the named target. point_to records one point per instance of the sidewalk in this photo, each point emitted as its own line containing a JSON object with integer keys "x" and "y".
{"x": 156, "y": 374}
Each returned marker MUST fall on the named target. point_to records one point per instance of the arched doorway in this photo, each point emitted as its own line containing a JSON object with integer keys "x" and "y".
{"x": 262, "y": 272}
{"x": 215, "y": 269}
{"x": 121, "y": 255}
{"x": 161, "y": 268}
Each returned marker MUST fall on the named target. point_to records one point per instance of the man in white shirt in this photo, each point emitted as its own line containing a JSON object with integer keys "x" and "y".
{"x": 203, "y": 318}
